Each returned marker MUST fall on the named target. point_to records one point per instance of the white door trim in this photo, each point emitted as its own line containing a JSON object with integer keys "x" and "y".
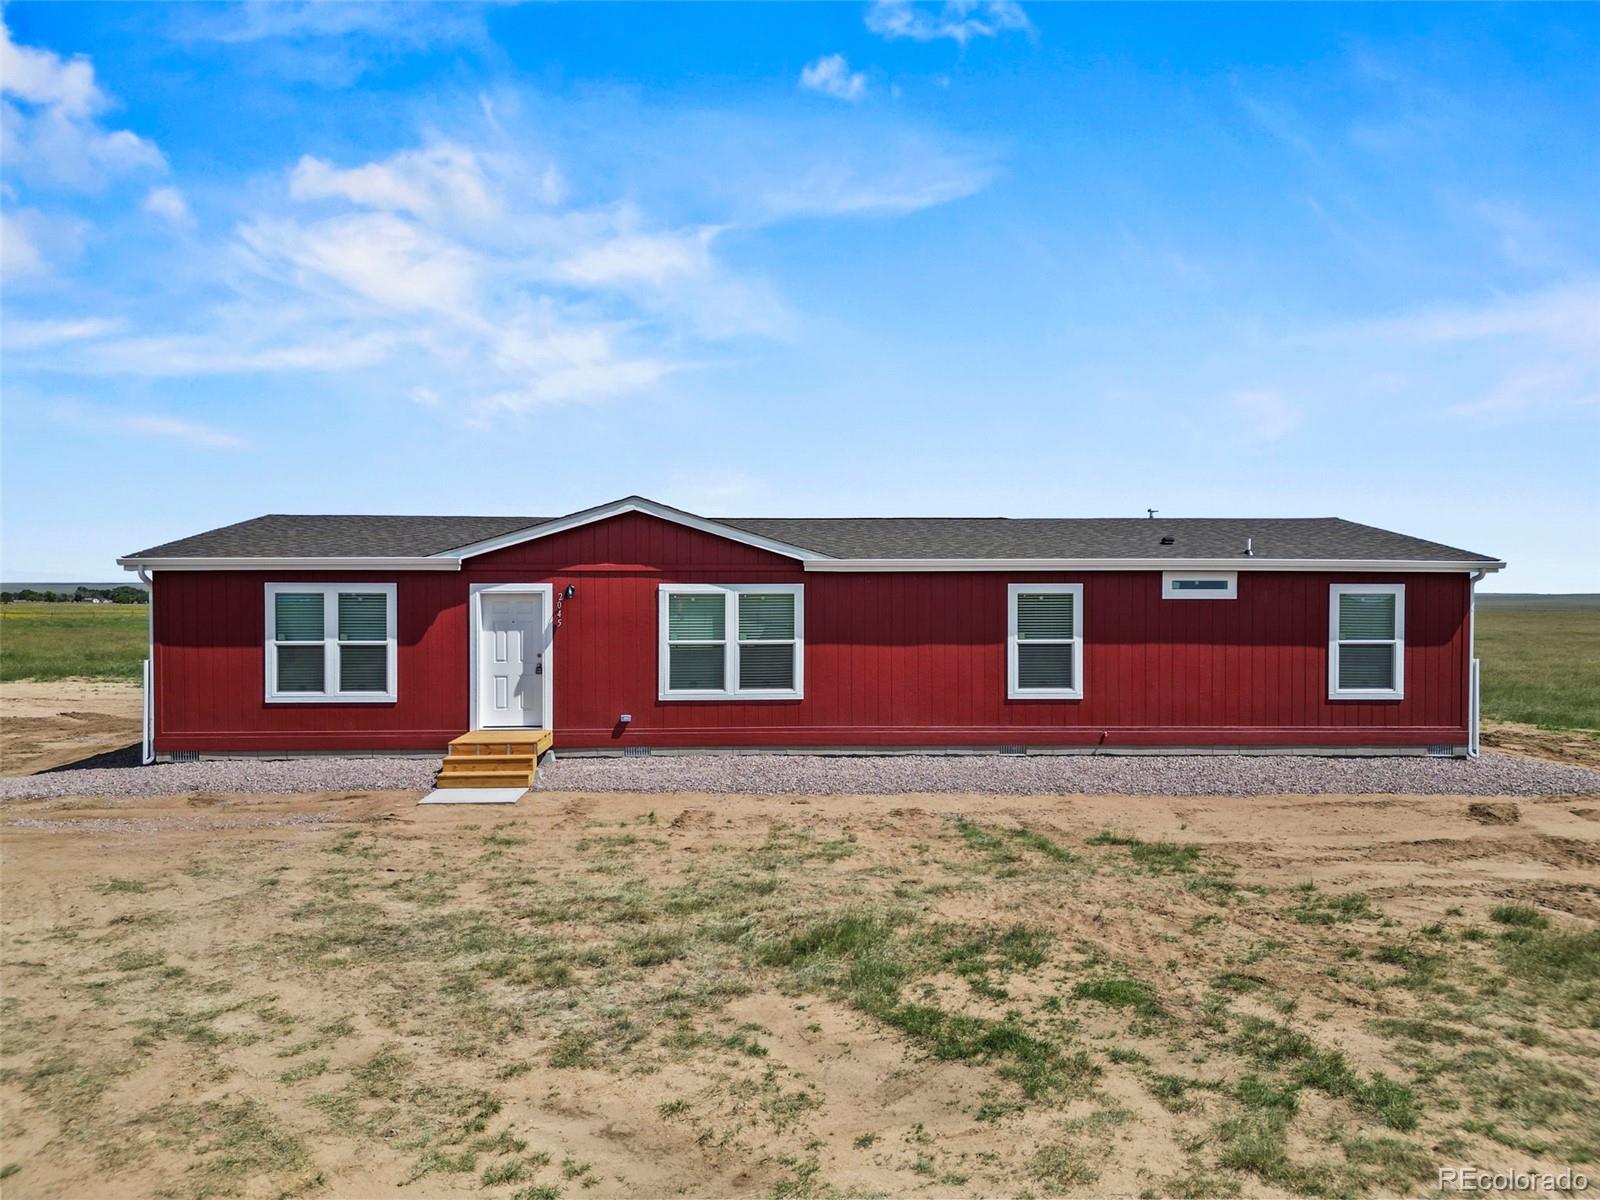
{"x": 475, "y": 624}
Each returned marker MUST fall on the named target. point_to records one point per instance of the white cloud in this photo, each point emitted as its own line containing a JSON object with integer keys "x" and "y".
{"x": 281, "y": 349}
{"x": 1567, "y": 316}
{"x": 654, "y": 259}
{"x": 43, "y": 78}
{"x": 386, "y": 260}
{"x": 462, "y": 273}
{"x": 19, "y": 255}
{"x": 898, "y": 180}
{"x": 49, "y": 133}
{"x": 1503, "y": 358}
{"x": 831, "y": 75}
{"x": 958, "y": 20}
{"x": 325, "y": 44}
{"x": 152, "y": 425}
{"x": 313, "y": 20}
{"x": 168, "y": 204}
{"x": 1265, "y": 415}
{"x": 21, "y": 334}
{"x": 439, "y": 180}
{"x": 177, "y": 429}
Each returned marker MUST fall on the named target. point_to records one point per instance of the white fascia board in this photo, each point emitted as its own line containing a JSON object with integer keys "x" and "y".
{"x": 1144, "y": 564}
{"x": 290, "y": 564}
{"x": 605, "y": 511}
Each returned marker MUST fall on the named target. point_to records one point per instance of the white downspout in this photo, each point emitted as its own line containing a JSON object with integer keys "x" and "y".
{"x": 1474, "y": 699}
{"x": 148, "y": 743}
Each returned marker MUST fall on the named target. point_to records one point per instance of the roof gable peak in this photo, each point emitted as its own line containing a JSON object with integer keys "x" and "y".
{"x": 628, "y": 504}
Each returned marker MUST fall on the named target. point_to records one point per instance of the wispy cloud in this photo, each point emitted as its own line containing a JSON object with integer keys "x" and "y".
{"x": 311, "y": 20}
{"x": 958, "y": 20}
{"x": 22, "y": 334}
{"x": 439, "y": 180}
{"x": 50, "y": 134}
{"x": 1567, "y": 316}
{"x": 831, "y": 75}
{"x": 1504, "y": 358}
{"x": 326, "y": 44}
{"x": 169, "y": 204}
{"x": 149, "y": 425}
{"x": 19, "y": 255}
{"x": 896, "y": 176}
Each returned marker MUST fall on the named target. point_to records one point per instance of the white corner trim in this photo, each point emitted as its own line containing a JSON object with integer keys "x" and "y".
{"x": 1014, "y": 689}
{"x": 1228, "y": 591}
{"x": 1144, "y": 564}
{"x": 633, "y": 504}
{"x": 330, "y": 644}
{"x": 730, "y": 643}
{"x": 1398, "y": 643}
{"x": 289, "y": 564}
{"x": 474, "y": 626}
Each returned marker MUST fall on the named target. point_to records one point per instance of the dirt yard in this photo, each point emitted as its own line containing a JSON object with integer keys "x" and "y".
{"x": 348, "y": 995}
{"x": 54, "y": 722}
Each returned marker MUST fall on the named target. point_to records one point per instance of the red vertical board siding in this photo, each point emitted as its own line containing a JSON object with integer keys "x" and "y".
{"x": 891, "y": 659}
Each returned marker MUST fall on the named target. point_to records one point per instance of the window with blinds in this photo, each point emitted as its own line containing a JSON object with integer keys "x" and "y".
{"x": 1044, "y": 645}
{"x": 1366, "y": 641}
{"x": 330, "y": 642}
{"x": 731, "y": 641}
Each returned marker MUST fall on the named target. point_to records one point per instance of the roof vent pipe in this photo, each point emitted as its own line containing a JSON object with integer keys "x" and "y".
{"x": 1249, "y": 547}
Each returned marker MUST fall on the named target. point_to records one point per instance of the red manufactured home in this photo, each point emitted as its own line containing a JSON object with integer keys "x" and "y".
{"x": 636, "y": 625}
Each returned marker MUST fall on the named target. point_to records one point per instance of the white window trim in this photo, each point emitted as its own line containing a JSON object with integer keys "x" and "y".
{"x": 1014, "y": 691}
{"x": 1231, "y": 592}
{"x": 1398, "y": 642}
{"x": 730, "y": 644}
{"x": 330, "y": 643}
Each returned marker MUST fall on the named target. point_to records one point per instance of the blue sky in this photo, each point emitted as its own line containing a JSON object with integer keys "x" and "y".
{"x": 814, "y": 260}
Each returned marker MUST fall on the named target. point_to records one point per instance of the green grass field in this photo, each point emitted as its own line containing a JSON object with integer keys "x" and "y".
{"x": 1541, "y": 660}
{"x": 57, "y": 641}
{"x": 1541, "y": 654}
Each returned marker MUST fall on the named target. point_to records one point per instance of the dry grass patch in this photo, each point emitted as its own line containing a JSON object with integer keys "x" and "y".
{"x": 779, "y": 998}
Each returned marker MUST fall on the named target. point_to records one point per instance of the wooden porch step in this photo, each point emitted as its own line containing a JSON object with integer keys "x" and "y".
{"x": 503, "y": 741}
{"x": 486, "y": 779}
{"x": 494, "y": 758}
{"x": 489, "y": 762}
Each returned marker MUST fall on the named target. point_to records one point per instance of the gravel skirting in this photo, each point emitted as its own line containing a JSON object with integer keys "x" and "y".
{"x": 1143, "y": 775}
{"x": 786, "y": 774}
{"x": 263, "y": 775}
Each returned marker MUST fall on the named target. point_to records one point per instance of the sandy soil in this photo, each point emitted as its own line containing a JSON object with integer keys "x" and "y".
{"x": 1578, "y": 746}
{"x": 44, "y": 725}
{"x": 215, "y": 993}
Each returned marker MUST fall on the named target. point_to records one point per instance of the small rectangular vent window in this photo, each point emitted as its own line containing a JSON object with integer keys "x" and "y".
{"x": 1200, "y": 585}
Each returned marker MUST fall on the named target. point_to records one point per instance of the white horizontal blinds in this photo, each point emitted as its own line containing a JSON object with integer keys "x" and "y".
{"x": 1367, "y": 640}
{"x": 766, "y": 640}
{"x": 1046, "y": 625}
{"x": 298, "y": 618}
{"x": 302, "y": 668}
{"x": 363, "y": 618}
{"x": 696, "y": 641}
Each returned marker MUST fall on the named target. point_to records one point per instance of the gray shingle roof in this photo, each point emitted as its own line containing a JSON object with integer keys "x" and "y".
{"x": 282, "y": 535}
{"x": 1097, "y": 537}
{"x": 285, "y": 535}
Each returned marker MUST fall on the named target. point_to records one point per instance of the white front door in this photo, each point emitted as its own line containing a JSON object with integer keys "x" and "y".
{"x": 511, "y": 660}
